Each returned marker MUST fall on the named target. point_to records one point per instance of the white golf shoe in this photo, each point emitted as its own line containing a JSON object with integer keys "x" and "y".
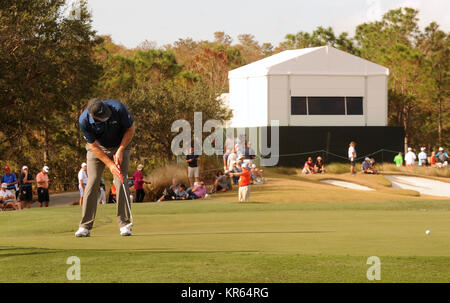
{"x": 82, "y": 232}
{"x": 126, "y": 230}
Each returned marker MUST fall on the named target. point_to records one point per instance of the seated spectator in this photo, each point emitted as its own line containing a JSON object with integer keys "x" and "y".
{"x": 319, "y": 166}
{"x": 308, "y": 168}
{"x": 222, "y": 183}
{"x": 112, "y": 194}
{"x": 442, "y": 158}
{"x": 422, "y": 156}
{"x": 367, "y": 166}
{"x": 198, "y": 191}
{"x": 7, "y": 198}
{"x": 372, "y": 166}
{"x": 433, "y": 159}
{"x": 180, "y": 193}
{"x": 170, "y": 193}
{"x": 257, "y": 174}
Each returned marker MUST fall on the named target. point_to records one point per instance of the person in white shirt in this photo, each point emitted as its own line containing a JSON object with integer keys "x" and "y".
{"x": 229, "y": 146}
{"x": 422, "y": 157}
{"x": 410, "y": 158}
{"x": 82, "y": 181}
{"x": 352, "y": 157}
{"x": 7, "y": 198}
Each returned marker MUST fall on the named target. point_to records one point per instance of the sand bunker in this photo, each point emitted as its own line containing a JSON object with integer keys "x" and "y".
{"x": 422, "y": 185}
{"x": 346, "y": 184}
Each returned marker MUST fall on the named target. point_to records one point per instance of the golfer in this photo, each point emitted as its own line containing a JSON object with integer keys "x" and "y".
{"x": 108, "y": 128}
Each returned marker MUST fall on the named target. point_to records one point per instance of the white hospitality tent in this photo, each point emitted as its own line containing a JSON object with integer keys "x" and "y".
{"x": 319, "y": 86}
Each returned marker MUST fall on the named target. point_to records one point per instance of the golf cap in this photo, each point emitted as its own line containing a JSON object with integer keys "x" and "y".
{"x": 247, "y": 161}
{"x": 227, "y": 172}
{"x": 4, "y": 185}
{"x": 241, "y": 156}
{"x": 45, "y": 168}
{"x": 253, "y": 165}
{"x": 441, "y": 149}
{"x": 83, "y": 164}
{"x": 7, "y": 167}
{"x": 245, "y": 165}
{"x": 409, "y": 149}
{"x": 367, "y": 159}
{"x": 140, "y": 167}
{"x": 24, "y": 167}
{"x": 233, "y": 163}
{"x": 422, "y": 148}
{"x": 98, "y": 109}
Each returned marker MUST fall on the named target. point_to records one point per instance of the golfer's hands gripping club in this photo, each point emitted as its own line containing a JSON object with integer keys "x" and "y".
{"x": 115, "y": 167}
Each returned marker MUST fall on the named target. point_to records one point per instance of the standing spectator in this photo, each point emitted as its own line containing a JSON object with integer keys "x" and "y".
{"x": 139, "y": 181}
{"x": 352, "y": 157}
{"x": 433, "y": 159}
{"x": 244, "y": 183}
{"x": 422, "y": 157}
{"x": 308, "y": 168}
{"x": 249, "y": 153}
{"x": 398, "y": 159}
{"x": 17, "y": 185}
{"x": 228, "y": 149}
{"x": 7, "y": 198}
{"x": 10, "y": 179}
{"x": 236, "y": 168}
{"x": 410, "y": 158}
{"x": 442, "y": 157}
{"x": 102, "y": 192}
{"x": 108, "y": 128}
{"x": 191, "y": 160}
{"x": 42, "y": 181}
{"x": 82, "y": 181}
{"x": 26, "y": 188}
{"x": 232, "y": 157}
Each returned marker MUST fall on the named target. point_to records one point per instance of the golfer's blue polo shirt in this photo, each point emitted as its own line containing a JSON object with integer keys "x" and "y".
{"x": 110, "y": 132}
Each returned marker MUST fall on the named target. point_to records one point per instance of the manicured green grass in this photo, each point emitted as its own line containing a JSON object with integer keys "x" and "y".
{"x": 287, "y": 233}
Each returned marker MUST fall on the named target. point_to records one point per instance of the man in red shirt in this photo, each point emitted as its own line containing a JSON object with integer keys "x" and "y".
{"x": 139, "y": 183}
{"x": 244, "y": 182}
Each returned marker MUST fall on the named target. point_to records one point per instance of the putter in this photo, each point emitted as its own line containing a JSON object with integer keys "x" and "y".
{"x": 126, "y": 197}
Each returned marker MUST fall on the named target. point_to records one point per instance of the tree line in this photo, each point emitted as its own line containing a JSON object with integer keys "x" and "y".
{"x": 52, "y": 64}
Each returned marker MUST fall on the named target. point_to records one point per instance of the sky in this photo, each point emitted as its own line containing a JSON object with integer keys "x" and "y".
{"x": 130, "y": 22}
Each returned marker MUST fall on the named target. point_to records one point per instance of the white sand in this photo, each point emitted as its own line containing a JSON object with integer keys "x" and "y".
{"x": 422, "y": 185}
{"x": 346, "y": 184}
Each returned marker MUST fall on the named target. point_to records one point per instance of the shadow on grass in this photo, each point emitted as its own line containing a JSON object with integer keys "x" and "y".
{"x": 238, "y": 233}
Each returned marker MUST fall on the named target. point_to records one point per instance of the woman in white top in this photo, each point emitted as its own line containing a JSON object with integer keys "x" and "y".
{"x": 82, "y": 180}
{"x": 352, "y": 157}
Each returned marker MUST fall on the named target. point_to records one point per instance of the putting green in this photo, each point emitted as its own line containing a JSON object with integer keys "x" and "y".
{"x": 220, "y": 240}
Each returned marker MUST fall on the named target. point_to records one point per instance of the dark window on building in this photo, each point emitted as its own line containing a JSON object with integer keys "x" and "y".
{"x": 354, "y": 105}
{"x": 326, "y": 105}
{"x": 298, "y": 105}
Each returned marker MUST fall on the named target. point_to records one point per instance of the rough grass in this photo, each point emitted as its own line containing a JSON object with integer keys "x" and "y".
{"x": 295, "y": 229}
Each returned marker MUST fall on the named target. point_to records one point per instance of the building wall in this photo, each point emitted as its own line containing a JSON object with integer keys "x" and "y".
{"x": 248, "y": 100}
{"x": 281, "y": 88}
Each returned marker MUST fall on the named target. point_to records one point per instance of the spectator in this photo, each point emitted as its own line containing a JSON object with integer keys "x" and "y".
{"x": 228, "y": 150}
{"x": 366, "y": 166}
{"x": 17, "y": 174}
{"x": 422, "y": 156}
{"x": 42, "y": 187}
{"x": 112, "y": 194}
{"x": 308, "y": 168}
{"x": 442, "y": 158}
{"x": 372, "y": 166}
{"x": 410, "y": 158}
{"x": 398, "y": 159}
{"x": 82, "y": 181}
{"x": 170, "y": 193}
{"x": 319, "y": 166}
{"x": 258, "y": 173}
{"x": 236, "y": 168}
{"x": 244, "y": 183}
{"x": 139, "y": 181}
{"x": 11, "y": 180}
{"x": 352, "y": 157}
{"x": 191, "y": 160}
{"x": 249, "y": 153}
{"x": 180, "y": 193}
{"x": 222, "y": 183}
{"x": 26, "y": 188}
{"x": 102, "y": 192}
{"x": 7, "y": 198}
{"x": 198, "y": 191}
{"x": 232, "y": 157}
{"x": 433, "y": 159}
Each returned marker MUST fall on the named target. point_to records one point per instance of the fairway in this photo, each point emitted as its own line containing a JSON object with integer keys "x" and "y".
{"x": 293, "y": 230}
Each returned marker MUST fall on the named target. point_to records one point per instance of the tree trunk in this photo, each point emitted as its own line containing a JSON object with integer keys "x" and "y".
{"x": 440, "y": 121}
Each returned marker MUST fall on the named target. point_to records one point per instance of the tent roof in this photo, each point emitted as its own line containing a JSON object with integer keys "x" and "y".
{"x": 323, "y": 60}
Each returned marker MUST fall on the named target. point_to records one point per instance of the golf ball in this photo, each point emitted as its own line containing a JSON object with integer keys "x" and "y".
{"x": 427, "y": 232}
